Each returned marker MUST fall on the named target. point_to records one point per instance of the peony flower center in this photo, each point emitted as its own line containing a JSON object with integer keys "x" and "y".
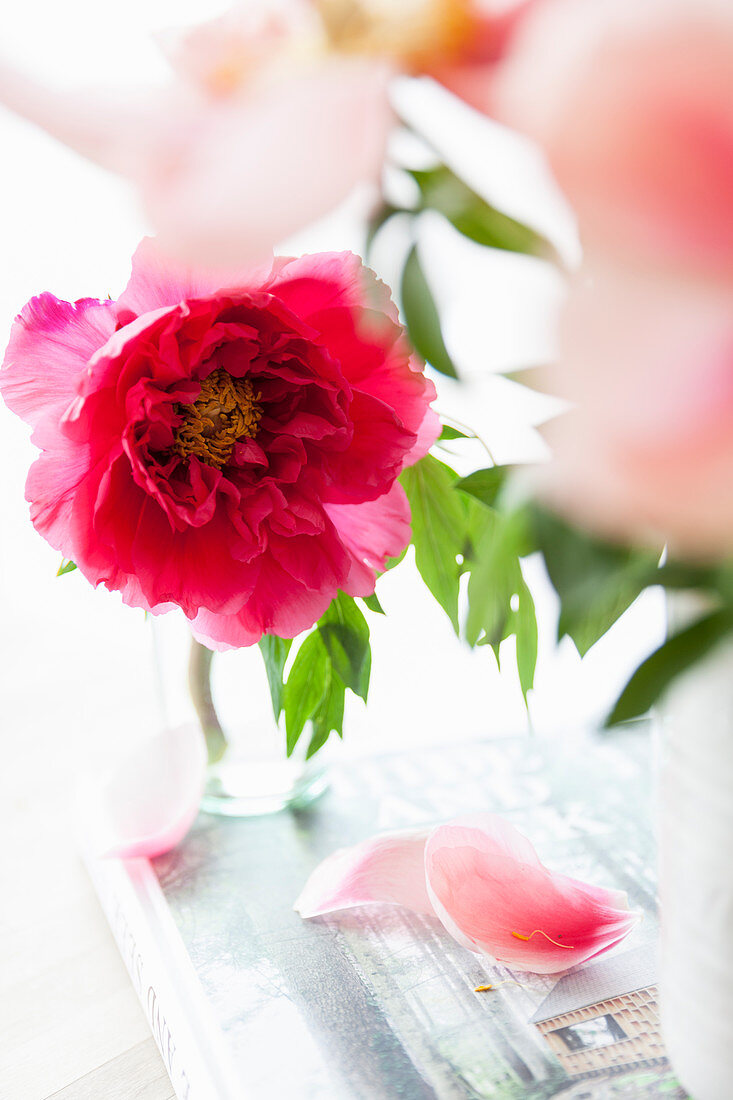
{"x": 225, "y": 411}
{"x": 418, "y": 33}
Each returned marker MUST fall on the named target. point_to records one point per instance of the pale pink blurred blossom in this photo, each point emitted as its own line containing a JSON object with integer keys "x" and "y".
{"x": 259, "y": 132}
{"x": 276, "y": 111}
{"x": 634, "y": 106}
{"x": 484, "y": 881}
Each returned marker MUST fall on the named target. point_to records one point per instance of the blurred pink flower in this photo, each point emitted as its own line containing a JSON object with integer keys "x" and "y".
{"x": 483, "y": 880}
{"x": 276, "y": 111}
{"x": 457, "y": 42}
{"x": 259, "y": 133}
{"x": 210, "y": 441}
{"x": 634, "y": 106}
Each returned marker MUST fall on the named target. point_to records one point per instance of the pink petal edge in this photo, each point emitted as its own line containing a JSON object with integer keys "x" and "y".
{"x": 387, "y": 868}
{"x": 149, "y": 802}
{"x": 491, "y": 892}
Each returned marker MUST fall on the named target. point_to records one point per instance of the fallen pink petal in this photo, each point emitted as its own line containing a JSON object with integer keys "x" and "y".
{"x": 484, "y": 881}
{"x": 150, "y": 800}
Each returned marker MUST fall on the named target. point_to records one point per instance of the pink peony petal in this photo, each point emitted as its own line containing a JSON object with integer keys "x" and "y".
{"x": 51, "y": 342}
{"x": 150, "y": 802}
{"x": 494, "y": 896}
{"x": 485, "y": 883}
{"x": 224, "y": 178}
{"x": 158, "y": 281}
{"x": 373, "y": 532}
{"x": 259, "y": 166}
{"x": 647, "y": 451}
{"x": 633, "y": 105}
{"x": 241, "y": 539}
{"x": 388, "y": 868}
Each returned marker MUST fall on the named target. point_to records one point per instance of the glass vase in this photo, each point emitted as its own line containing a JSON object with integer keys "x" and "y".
{"x": 227, "y": 696}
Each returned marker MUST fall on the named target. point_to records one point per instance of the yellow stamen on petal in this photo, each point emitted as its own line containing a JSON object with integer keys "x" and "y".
{"x": 496, "y": 985}
{"x": 225, "y": 411}
{"x": 539, "y": 932}
{"x": 415, "y": 33}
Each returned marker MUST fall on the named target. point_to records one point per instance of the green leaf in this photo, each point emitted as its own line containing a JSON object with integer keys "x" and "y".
{"x": 373, "y": 604}
{"x": 452, "y": 433}
{"x": 596, "y": 581}
{"x": 675, "y": 656}
{"x": 329, "y": 716}
{"x": 439, "y": 528}
{"x": 274, "y": 652}
{"x": 421, "y": 317}
{"x": 442, "y": 190}
{"x": 305, "y": 687}
{"x": 524, "y": 626}
{"x": 495, "y": 578}
{"x": 345, "y": 635}
{"x": 366, "y": 673}
{"x": 65, "y": 567}
{"x": 485, "y": 485}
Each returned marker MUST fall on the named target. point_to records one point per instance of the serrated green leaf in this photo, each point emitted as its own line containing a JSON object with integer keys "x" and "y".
{"x": 373, "y": 604}
{"x": 329, "y": 716}
{"x": 473, "y": 217}
{"x": 422, "y": 319}
{"x": 596, "y": 581}
{"x": 345, "y": 634}
{"x": 439, "y": 529}
{"x": 274, "y": 652}
{"x": 305, "y": 687}
{"x": 484, "y": 485}
{"x": 674, "y": 657}
{"x": 65, "y": 567}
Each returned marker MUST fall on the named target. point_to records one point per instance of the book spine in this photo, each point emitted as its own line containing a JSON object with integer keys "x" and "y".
{"x": 185, "y": 1033}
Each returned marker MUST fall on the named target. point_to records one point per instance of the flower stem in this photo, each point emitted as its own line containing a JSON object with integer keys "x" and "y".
{"x": 199, "y": 684}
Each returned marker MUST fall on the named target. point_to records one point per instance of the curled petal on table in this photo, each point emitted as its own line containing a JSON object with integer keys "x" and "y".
{"x": 389, "y": 868}
{"x": 491, "y": 892}
{"x": 149, "y": 802}
{"x": 483, "y": 880}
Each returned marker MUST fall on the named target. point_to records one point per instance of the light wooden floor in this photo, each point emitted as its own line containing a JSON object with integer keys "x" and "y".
{"x": 70, "y": 1024}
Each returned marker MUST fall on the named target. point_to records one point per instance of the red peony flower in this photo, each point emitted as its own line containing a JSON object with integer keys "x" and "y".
{"x": 231, "y": 446}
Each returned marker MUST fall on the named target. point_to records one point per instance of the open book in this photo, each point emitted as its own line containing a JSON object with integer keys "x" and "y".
{"x": 247, "y": 1000}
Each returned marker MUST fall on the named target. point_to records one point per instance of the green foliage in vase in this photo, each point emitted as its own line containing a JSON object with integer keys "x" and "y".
{"x": 456, "y": 532}
{"x": 332, "y": 658}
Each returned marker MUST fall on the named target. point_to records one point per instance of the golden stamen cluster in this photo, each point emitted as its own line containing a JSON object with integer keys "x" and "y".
{"x": 417, "y": 33}
{"x": 226, "y": 410}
